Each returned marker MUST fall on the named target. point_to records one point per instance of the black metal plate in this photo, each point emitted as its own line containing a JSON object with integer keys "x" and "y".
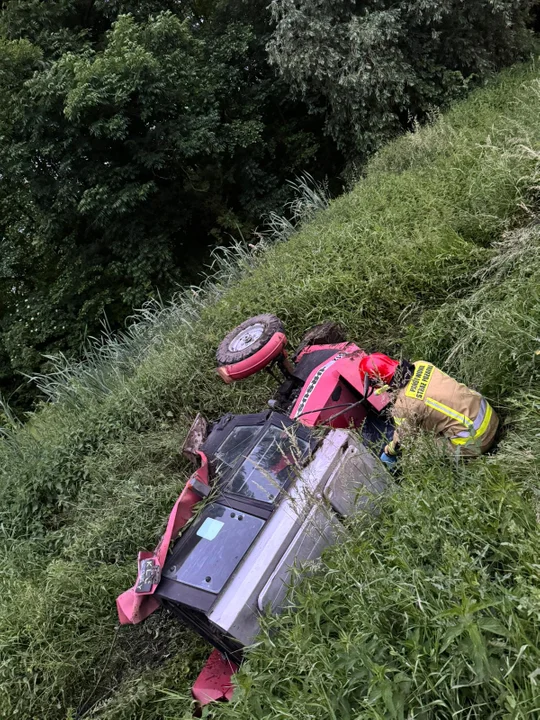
{"x": 207, "y": 555}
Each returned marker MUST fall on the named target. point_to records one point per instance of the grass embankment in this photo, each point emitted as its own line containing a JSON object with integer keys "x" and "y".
{"x": 430, "y": 610}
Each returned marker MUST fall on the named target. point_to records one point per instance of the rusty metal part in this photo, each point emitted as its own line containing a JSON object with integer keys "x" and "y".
{"x": 197, "y": 434}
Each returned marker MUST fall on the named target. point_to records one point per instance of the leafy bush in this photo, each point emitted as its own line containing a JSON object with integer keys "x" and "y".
{"x": 133, "y": 137}
{"x": 370, "y": 67}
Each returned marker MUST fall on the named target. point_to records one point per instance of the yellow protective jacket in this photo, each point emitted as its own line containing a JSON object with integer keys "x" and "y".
{"x": 434, "y": 401}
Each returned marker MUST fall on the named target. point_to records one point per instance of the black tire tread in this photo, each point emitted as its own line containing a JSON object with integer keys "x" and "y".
{"x": 272, "y": 325}
{"x": 326, "y": 333}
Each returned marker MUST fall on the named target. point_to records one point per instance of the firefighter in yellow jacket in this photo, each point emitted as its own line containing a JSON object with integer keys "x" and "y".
{"x": 426, "y": 398}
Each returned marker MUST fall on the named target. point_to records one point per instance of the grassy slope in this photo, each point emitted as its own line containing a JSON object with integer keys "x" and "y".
{"x": 405, "y": 261}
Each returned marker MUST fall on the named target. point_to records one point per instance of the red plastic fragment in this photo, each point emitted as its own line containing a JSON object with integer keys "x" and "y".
{"x": 134, "y": 605}
{"x": 215, "y": 680}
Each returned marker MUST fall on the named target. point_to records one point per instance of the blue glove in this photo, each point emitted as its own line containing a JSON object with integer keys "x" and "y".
{"x": 389, "y": 460}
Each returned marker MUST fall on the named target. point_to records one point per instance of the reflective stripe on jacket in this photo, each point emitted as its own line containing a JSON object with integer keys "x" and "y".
{"x": 436, "y": 402}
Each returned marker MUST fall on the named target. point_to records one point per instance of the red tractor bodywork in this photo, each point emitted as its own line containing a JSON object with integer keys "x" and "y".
{"x": 329, "y": 386}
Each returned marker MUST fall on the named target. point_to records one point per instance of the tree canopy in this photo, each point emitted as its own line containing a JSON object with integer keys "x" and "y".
{"x": 129, "y": 144}
{"x": 370, "y": 67}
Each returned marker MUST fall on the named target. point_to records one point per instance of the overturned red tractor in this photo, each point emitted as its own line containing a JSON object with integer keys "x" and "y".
{"x": 269, "y": 493}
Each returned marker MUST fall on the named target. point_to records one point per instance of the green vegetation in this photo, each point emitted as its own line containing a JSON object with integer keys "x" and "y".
{"x": 429, "y": 611}
{"x": 135, "y": 135}
{"x": 374, "y": 65}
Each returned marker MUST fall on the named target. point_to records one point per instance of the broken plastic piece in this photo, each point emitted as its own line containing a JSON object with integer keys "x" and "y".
{"x": 196, "y": 436}
{"x": 215, "y": 680}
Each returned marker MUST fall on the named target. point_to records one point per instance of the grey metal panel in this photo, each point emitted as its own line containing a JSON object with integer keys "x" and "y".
{"x": 358, "y": 479}
{"x": 214, "y": 547}
{"x": 318, "y": 530}
{"x": 343, "y": 475}
{"x": 236, "y": 611}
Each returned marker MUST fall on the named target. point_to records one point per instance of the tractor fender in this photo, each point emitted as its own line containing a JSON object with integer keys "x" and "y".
{"x": 137, "y": 603}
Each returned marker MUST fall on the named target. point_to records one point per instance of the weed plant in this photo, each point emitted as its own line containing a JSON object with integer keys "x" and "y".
{"x": 428, "y": 611}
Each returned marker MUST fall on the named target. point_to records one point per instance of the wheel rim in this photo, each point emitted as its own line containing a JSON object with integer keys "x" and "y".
{"x": 246, "y": 338}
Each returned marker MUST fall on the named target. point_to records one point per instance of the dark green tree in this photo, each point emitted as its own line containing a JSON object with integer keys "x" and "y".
{"x": 128, "y": 145}
{"x": 369, "y": 66}
{"x": 136, "y": 134}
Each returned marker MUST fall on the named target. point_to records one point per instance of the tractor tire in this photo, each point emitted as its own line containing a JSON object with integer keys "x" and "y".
{"x": 327, "y": 333}
{"x": 247, "y": 339}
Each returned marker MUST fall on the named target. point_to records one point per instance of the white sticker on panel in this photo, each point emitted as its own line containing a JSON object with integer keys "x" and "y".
{"x": 210, "y": 529}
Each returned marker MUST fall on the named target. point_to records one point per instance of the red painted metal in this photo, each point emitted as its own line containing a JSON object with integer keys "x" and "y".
{"x": 261, "y": 359}
{"x": 215, "y": 680}
{"x": 332, "y": 384}
{"x": 135, "y": 605}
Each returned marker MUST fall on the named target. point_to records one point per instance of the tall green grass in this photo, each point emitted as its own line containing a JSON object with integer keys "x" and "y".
{"x": 429, "y": 611}
{"x": 405, "y": 261}
{"x": 491, "y": 337}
